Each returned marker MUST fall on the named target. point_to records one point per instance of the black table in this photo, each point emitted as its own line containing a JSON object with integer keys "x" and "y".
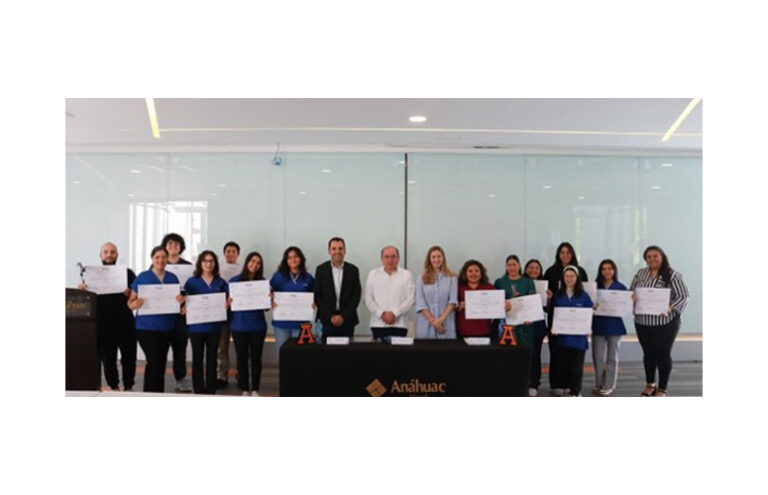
{"x": 428, "y": 367}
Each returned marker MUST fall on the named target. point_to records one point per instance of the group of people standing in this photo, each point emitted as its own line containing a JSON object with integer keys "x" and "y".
{"x": 389, "y": 293}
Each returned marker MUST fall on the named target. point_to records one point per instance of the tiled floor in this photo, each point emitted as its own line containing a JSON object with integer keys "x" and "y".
{"x": 686, "y": 380}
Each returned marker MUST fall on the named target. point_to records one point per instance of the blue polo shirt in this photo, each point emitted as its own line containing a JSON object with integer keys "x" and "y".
{"x": 581, "y": 301}
{"x": 609, "y": 325}
{"x": 284, "y": 283}
{"x": 154, "y": 322}
{"x": 196, "y": 286}
{"x": 247, "y": 321}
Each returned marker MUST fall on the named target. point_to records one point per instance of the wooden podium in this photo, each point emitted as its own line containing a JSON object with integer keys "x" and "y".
{"x": 83, "y": 366}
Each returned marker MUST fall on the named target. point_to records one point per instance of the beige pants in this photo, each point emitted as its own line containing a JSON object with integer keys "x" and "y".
{"x": 222, "y": 358}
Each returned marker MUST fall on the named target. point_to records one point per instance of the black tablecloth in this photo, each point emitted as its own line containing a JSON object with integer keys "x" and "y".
{"x": 428, "y": 367}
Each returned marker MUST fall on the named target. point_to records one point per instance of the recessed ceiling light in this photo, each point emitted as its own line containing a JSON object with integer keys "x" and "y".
{"x": 302, "y": 192}
{"x": 491, "y": 195}
{"x": 656, "y": 187}
{"x": 417, "y": 119}
{"x": 547, "y": 186}
{"x": 135, "y": 171}
{"x": 411, "y": 182}
{"x": 326, "y": 170}
{"x": 681, "y": 119}
{"x": 152, "y": 113}
{"x": 222, "y": 185}
{"x": 666, "y": 165}
{"x": 76, "y": 182}
{"x": 131, "y": 195}
{"x": 581, "y": 197}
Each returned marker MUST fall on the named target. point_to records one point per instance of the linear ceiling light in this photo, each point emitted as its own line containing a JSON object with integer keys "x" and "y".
{"x": 153, "y": 117}
{"x": 681, "y": 119}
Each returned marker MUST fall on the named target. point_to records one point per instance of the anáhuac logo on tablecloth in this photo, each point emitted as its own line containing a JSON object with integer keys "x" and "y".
{"x": 412, "y": 387}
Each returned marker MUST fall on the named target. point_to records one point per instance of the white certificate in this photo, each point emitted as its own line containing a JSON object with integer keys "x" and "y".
{"x": 541, "y": 290}
{"x": 614, "y": 303}
{"x": 249, "y": 295}
{"x": 106, "y": 279}
{"x": 572, "y": 321}
{"x": 183, "y": 272}
{"x": 206, "y": 308}
{"x": 652, "y": 301}
{"x": 293, "y": 306}
{"x": 159, "y": 299}
{"x": 524, "y": 308}
{"x": 484, "y": 304}
{"x": 591, "y": 289}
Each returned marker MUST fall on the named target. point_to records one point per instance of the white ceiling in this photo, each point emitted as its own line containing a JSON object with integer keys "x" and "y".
{"x": 461, "y": 124}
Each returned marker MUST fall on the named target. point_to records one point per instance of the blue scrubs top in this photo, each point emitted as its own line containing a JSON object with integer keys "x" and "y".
{"x": 609, "y": 325}
{"x": 196, "y": 286}
{"x": 247, "y": 321}
{"x": 581, "y": 301}
{"x": 284, "y": 283}
{"x": 154, "y": 322}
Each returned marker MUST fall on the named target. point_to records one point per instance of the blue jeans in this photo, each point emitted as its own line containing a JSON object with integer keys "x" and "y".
{"x": 281, "y": 337}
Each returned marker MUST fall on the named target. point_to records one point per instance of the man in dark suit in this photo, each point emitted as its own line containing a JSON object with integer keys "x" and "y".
{"x": 337, "y": 292}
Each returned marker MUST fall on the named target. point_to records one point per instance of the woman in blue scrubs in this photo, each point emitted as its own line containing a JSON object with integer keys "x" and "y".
{"x": 154, "y": 332}
{"x": 249, "y": 328}
{"x": 606, "y": 334}
{"x": 205, "y": 336}
{"x": 291, "y": 276}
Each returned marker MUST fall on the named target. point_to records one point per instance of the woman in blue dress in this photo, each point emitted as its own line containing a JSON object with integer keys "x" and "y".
{"x": 436, "y": 298}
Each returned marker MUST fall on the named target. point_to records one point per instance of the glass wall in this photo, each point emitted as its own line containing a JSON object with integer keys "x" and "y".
{"x": 475, "y": 206}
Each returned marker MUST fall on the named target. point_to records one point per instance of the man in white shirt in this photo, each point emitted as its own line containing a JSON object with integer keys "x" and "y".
{"x": 227, "y": 270}
{"x": 389, "y": 295}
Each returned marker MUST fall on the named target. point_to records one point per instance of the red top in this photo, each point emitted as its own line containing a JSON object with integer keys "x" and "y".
{"x": 472, "y": 328}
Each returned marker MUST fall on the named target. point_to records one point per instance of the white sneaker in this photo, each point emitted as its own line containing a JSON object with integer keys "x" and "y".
{"x": 532, "y": 392}
{"x": 558, "y": 392}
{"x": 183, "y": 385}
{"x": 255, "y": 393}
{"x": 245, "y": 393}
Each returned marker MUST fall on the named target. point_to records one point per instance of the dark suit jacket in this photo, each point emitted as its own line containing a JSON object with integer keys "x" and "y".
{"x": 325, "y": 294}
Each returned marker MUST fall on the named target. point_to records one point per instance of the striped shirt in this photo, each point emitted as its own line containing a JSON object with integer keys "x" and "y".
{"x": 678, "y": 295}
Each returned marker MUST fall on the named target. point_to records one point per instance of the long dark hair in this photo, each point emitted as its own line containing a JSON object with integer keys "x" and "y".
{"x": 245, "y": 274}
{"x": 541, "y": 268}
{"x": 283, "y": 268}
{"x": 577, "y": 289}
{"x": 599, "y": 279}
{"x": 463, "y": 273}
{"x": 664, "y": 270}
{"x": 199, "y": 264}
{"x": 574, "y": 261}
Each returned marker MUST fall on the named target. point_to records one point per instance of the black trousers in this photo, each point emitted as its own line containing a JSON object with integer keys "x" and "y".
{"x": 204, "y": 346}
{"x": 657, "y": 345}
{"x": 381, "y": 332}
{"x": 248, "y": 346}
{"x": 179, "y": 345}
{"x": 155, "y": 344}
{"x": 538, "y": 343}
{"x": 572, "y": 368}
{"x": 556, "y": 373}
{"x": 331, "y": 330}
{"x": 113, "y": 335}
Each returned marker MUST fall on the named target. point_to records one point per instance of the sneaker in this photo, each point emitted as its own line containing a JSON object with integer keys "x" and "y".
{"x": 255, "y": 393}
{"x": 532, "y": 392}
{"x": 605, "y": 392}
{"x": 597, "y": 390}
{"x": 245, "y": 393}
{"x": 558, "y": 392}
{"x": 129, "y": 389}
{"x": 183, "y": 385}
